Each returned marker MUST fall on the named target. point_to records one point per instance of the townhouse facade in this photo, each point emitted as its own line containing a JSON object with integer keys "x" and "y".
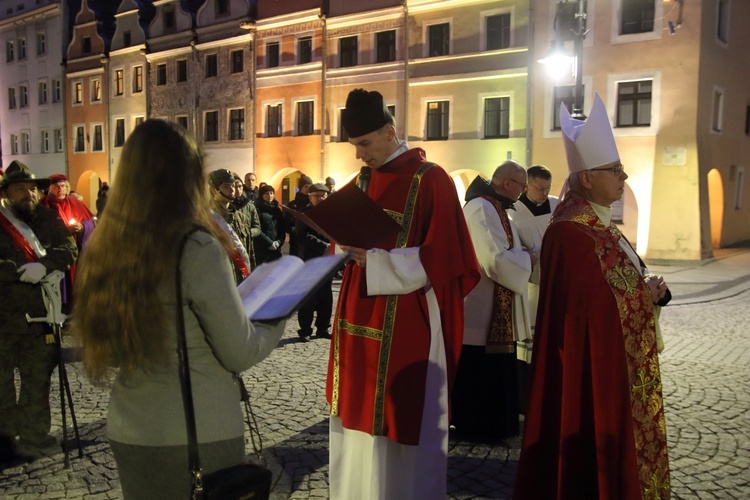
{"x": 673, "y": 76}
{"x": 32, "y": 122}
{"x": 261, "y": 84}
{"x": 86, "y": 106}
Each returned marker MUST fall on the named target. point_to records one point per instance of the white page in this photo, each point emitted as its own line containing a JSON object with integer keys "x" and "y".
{"x": 266, "y": 280}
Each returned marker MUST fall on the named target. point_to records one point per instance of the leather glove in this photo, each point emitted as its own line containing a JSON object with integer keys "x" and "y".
{"x": 32, "y": 272}
{"x": 274, "y": 246}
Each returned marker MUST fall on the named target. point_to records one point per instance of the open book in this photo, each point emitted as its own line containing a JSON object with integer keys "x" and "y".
{"x": 275, "y": 290}
{"x": 350, "y": 217}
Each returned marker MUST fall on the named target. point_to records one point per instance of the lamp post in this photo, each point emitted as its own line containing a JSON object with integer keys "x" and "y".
{"x": 557, "y": 52}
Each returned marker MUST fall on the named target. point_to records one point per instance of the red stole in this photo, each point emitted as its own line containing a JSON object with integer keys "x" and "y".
{"x": 500, "y": 338}
{"x": 18, "y": 238}
{"x": 595, "y": 424}
{"x": 378, "y": 361}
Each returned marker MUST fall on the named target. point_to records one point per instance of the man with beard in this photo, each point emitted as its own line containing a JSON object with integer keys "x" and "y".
{"x": 33, "y": 242}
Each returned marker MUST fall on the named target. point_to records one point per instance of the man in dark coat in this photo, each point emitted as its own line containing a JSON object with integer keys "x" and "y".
{"x": 33, "y": 242}
{"x": 313, "y": 244}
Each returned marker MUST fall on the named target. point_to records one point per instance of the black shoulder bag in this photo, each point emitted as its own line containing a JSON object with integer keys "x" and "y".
{"x": 246, "y": 480}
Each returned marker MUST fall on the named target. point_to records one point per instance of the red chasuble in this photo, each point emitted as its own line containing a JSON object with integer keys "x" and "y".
{"x": 595, "y": 425}
{"x": 68, "y": 208}
{"x": 380, "y": 347}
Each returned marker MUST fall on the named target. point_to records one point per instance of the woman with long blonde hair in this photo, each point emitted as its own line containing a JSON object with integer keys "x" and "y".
{"x": 125, "y": 316}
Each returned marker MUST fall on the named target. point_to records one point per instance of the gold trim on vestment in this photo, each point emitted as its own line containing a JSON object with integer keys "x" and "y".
{"x": 392, "y": 303}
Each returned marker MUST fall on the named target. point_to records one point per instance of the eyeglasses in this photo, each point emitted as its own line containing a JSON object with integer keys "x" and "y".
{"x": 318, "y": 195}
{"x": 617, "y": 169}
{"x": 519, "y": 183}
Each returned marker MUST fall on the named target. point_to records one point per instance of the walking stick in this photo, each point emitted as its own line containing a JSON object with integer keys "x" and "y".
{"x": 56, "y": 318}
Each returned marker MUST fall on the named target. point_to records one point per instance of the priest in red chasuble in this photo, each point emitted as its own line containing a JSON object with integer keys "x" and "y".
{"x": 595, "y": 424}
{"x": 399, "y": 322}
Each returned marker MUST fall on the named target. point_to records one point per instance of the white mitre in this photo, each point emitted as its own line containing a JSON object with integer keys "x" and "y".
{"x": 588, "y": 144}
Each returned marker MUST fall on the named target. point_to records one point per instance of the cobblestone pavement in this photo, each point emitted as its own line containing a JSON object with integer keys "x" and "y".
{"x": 706, "y": 380}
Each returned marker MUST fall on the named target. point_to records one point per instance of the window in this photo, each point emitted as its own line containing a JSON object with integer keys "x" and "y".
{"x": 566, "y": 95}
{"x": 169, "y": 21}
{"x": 272, "y": 54}
{"x": 348, "y": 51}
{"x": 41, "y": 44}
{"x": 59, "y": 140}
{"x": 25, "y": 143}
{"x": 385, "y": 42}
{"x": 119, "y": 82}
{"x": 97, "y": 144}
{"x": 9, "y": 51}
{"x": 127, "y": 39}
{"x": 56, "y": 90}
{"x": 80, "y": 135}
{"x": 13, "y": 144}
{"x": 637, "y": 16}
{"x": 236, "y": 124}
{"x": 305, "y": 118}
{"x": 96, "y": 90}
{"x": 273, "y": 120}
{"x": 439, "y": 39}
{"x": 161, "y": 74}
{"x": 304, "y": 49}
{"x": 11, "y": 98}
{"x": 43, "y": 93}
{"x": 497, "y": 117}
{"x": 392, "y": 110}
{"x": 437, "y": 120}
{"x": 23, "y": 96}
{"x": 138, "y": 120}
{"x": 634, "y": 103}
{"x": 45, "y": 141}
{"x": 86, "y": 46}
{"x": 498, "y": 31}
{"x": 237, "y": 61}
{"x": 747, "y": 120}
{"x": 739, "y": 186}
{"x": 182, "y": 70}
{"x": 222, "y": 8}
{"x": 21, "y": 49}
{"x": 212, "y": 65}
{"x": 211, "y": 127}
{"x": 717, "y": 112}
{"x": 78, "y": 92}
{"x": 182, "y": 120}
{"x": 119, "y": 132}
{"x": 722, "y": 21}
{"x": 137, "y": 79}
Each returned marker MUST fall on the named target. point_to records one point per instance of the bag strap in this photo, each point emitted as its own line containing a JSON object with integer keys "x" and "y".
{"x": 194, "y": 463}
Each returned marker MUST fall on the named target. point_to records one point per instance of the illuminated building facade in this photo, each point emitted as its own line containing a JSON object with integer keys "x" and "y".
{"x": 261, "y": 84}
{"x": 32, "y": 123}
{"x": 673, "y": 76}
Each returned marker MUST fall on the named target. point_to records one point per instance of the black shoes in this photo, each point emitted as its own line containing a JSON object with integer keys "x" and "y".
{"x": 322, "y": 335}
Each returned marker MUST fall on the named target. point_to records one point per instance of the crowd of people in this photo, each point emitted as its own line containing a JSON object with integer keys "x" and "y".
{"x": 514, "y": 303}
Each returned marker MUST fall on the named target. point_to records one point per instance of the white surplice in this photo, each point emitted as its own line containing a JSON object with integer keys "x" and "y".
{"x": 531, "y": 231}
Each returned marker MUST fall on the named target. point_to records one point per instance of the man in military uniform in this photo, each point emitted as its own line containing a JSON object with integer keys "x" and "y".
{"x": 33, "y": 242}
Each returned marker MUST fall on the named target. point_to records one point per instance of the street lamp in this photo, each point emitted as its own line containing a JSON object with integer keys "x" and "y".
{"x": 557, "y": 59}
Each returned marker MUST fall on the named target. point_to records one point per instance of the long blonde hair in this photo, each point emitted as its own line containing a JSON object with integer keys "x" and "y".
{"x": 160, "y": 192}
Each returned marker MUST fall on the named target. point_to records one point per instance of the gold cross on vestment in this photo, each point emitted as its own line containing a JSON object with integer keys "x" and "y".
{"x": 656, "y": 486}
{"x": 646, "y": 382}
{"x": 624, "y": 278}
